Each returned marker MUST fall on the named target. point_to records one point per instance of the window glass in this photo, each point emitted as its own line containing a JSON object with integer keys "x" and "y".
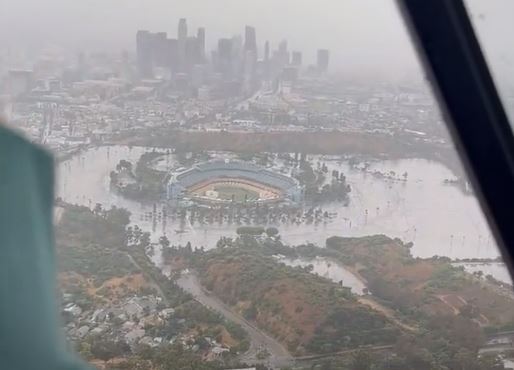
{"x": 492, "y": 25}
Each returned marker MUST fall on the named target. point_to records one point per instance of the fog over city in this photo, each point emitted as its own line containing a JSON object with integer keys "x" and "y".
{"x": 363, "y": 36}
{"x": 256, "y": 184}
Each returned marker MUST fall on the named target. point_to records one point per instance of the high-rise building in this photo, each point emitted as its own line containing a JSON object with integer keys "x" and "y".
{"x": 296, "y": 59}
{"x": 224, "y": 56}
{"x": 159, "y": 49}
{"x": 250, "y": 64}
{"x": 144, "y": 49}
{"x": 171, "y": 51}
{"x": 182, "y": 29}
{"x": 250, "y": 40}
{"x": 200, "y": 35}
{"x": 322, "y": 60}
{"x": 266, "y": 51}
{"x": 283, "y": 54}
{"x": 225, "y": 49}
{"x": 182, "y": 37}
{"x": 238, "y": 57}
{"x": 192, "y": 53}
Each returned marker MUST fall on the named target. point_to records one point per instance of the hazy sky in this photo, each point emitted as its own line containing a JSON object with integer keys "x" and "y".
{"x": 362, "y": 35}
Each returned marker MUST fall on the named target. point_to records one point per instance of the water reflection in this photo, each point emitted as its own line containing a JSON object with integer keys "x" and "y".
{"x": 497, "y": 270}
{"x": 439, "y": 218}
{"x": 331, "y": 270}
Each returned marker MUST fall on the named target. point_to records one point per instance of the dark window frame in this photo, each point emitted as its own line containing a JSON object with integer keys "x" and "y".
{"x": 448, "y": 47}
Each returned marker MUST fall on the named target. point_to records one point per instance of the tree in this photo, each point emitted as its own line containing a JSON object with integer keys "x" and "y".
{"x": 118, "y": 216}
{"x": 250, "y": 230}
{"x": 130, "y": 235}
{"x": 145, "y": 240}
{"x": 271, "y": 231}
{"x": 164, "y": 241}
{"x": 361, "y": 360}
{"x": 98, "y": 209}
{"x": 189, "y": 248}
{"x": 107, "y": 349}
{"x": 137, "y": 233}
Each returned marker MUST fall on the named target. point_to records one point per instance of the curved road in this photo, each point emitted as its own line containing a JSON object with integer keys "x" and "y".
{"x": 279, "y": 356}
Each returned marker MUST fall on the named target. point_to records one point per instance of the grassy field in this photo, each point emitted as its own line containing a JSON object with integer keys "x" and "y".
{"x": 239, "y": 194}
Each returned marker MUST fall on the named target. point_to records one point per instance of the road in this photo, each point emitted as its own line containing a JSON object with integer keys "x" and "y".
{"x": 279, "y": 356}
{"x": 152, "y": 282}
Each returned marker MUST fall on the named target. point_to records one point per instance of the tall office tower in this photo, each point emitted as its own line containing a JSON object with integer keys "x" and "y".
{"x": 182, "y": 36}
{"x": 144, "y": 51}
{"x": 238, "y": 55}
{"x": 182, "y": 28}
{"x": 225, "y": 57}
{"x": 266, "y": 62}
{"x": 296, "y": 59}
{"x": 249, "y": 69}
{"x": 192, "y": 53}
{"x": 322, "y": 61}
{"x": 225, "y": 49}
{"x": 283, "y": 54}
{"x": 249, "y": 57}
{"x": 200, "y": 36}
{"x": 159, "y": 49}
{"x": 171, "y": 52}
{"x": 250, "y": 40}
{"x": 280, "y": 57}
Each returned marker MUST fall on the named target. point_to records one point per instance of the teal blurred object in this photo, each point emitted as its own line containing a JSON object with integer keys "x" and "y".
{"x": 30, "y": 332}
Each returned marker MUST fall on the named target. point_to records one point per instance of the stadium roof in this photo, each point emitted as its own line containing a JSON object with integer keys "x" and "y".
{"x": 234, "y": 169}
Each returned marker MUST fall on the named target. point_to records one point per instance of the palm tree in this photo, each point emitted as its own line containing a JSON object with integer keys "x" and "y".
{"x": 130, "y": 235}
{"x": 164, "y": 241}
{"x": 145, "y": 240}
{"x": 98, "y": 209}
{"x": 137, "y": 233}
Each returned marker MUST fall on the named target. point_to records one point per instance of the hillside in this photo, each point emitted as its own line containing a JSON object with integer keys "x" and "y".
{"x": 307, "y": 313}
{"x": 416, "y": 286}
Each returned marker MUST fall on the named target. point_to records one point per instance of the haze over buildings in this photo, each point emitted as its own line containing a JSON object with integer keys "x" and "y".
{"x": 99, "y": 25}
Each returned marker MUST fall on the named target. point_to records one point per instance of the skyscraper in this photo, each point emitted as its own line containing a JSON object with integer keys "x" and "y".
{"x": 225, "y": 49}
{"x": 182, "y": 29}
{"x": 266, "y": 51}
{"x": 192, "y": 53}
{"x": 200, "y": 35}
{"x": 182, "y": 37}
{"x": 296, "y": 59}
{"x": 225, "y": 57}
{"x": 250, "y": 40}
{"x": 322, "y": 61}
{"x": 144, "y": 51}
{"x": 282, "y": 54}
{"x": 159, "y": 49}
{"x": 171, "y": 51}
{"x": 266, "y": 63}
